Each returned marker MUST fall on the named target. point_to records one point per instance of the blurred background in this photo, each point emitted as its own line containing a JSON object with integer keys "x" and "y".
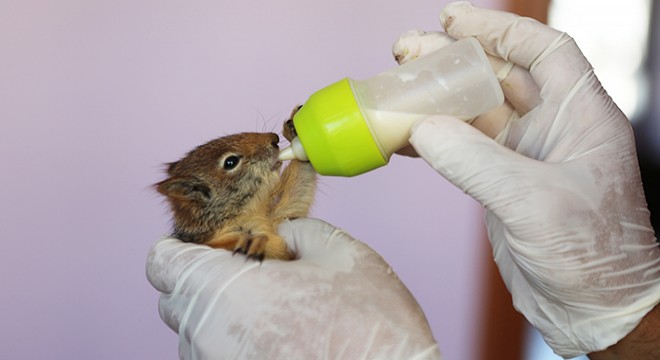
{"x": 96, "y": 95}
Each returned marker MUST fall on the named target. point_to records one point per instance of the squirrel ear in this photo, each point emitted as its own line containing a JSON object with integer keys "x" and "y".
{"x": 180, "y": 188}
{"x": 171, "y": 166}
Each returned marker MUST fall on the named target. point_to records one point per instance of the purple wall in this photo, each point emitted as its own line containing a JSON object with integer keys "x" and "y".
{"x": 95, "y": 95}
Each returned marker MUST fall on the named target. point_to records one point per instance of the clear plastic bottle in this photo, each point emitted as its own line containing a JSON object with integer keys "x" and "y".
{"x": 354, "y": 126}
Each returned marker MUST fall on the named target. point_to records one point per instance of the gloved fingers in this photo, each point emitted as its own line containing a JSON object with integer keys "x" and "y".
{"x": 518, "y": 86}
{"x": 495, "y": 121}
{"x": 194, "y": 276}
{"x": 166, "y": 262}
{"x": 511, "y": 37}
{"x": 173, "y": 265}
{"x": 472, "y": 161}
{"x": 170, "y": 313}
{"x": 415, "y": 43}
{"x": 552, "y": 57}
{"x": 304, "y": 234}
{"x": 323, "y": 244}
{"x": 167, "y": 259}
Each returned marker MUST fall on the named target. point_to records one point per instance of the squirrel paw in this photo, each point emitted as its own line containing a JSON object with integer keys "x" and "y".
{"x": 288, "y": 131}
{"x": 252, "y": 247}
{"x": 263, "y": 246}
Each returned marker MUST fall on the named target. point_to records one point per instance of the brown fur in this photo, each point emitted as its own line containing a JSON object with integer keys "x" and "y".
{"x": 238, "y": 208}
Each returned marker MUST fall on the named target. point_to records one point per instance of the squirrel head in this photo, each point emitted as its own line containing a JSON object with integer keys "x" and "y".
{"x": 214, "y": 182}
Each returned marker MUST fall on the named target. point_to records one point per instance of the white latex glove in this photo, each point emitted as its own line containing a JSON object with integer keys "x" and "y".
{"x": 565, "y": 209}
{"x": 338, "y": 300}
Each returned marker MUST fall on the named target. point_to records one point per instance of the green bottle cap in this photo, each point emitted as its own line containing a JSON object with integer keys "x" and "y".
{"x": 334, "y": 133}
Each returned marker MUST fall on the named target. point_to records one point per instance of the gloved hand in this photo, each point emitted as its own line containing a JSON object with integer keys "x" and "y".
{"x": 565, "y": 209}
{"x": 337, "y": 300}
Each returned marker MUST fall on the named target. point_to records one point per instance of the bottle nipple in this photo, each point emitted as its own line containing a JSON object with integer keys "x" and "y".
{"x": 293, "y": 152}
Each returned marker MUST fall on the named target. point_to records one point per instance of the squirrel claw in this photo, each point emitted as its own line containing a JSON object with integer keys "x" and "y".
{"x": 259, "y": 257}
{"x": 253, "y": 247}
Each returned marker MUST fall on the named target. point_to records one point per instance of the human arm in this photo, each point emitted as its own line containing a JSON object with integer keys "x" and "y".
{"x": 337, "y": 299}
{"x": 640, "y": 344}
{"x": 556, "y": 169}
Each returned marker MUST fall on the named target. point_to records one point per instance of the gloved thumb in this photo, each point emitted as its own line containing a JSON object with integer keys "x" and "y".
{"x": 323, "y": 245}
{"x": 470, "y": 160}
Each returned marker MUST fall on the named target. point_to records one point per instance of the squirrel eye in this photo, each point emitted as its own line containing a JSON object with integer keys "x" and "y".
{"x": 230, "y": 162}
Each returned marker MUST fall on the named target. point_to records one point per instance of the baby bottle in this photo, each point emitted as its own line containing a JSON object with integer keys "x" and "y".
{"x": 354, "y": 126}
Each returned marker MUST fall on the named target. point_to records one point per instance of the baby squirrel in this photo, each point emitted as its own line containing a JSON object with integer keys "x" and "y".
{"x": 229, "y": 193}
